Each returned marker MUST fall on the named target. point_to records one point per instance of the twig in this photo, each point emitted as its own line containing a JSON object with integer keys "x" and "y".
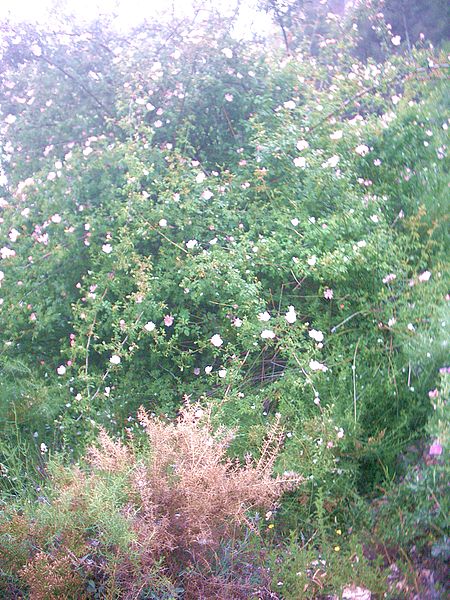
{"x": 354, "y": 379}
{"x": 333, "y": 329}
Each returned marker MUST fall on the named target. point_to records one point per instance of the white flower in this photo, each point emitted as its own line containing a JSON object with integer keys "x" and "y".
{"x": 362, "y": 149}
{"x": 216, "y": 340}
{"x": 302, "y": 145}
{"x": 162, "y": 223}
{"x": 290, "y": 105}
{"x": 425, "y": 276}
{"x": 316, "y": 335}
{"x": 13, "y": 234}
{"x": 375, "y": 218}
{"x": 332, "y": 161}
{"x": 150, "y": 326}
{"x": 392, "y": 321}
{"x": 336, "y": 135}
{"x": 312, "y": 260}
{"x": 314, "y": 365}
{"x": 191, "y": 244}
{"x": 44, "y": 448}
{"x": 300, "y": 161}
{"x": 207, "y": 195}
{"x": 10, "y": 119}
{"x": 411, "y": 327}
{"x": 200, "y": 177}
{"x": 263, "y": 316}
{"x": 229, "y": 97}
{"x": 222, "y": 373}
{"x": 267, "y": 334}
{"x": 56, "y": 218}
{"x": 396, "y": 40}
{"x": 291, "y": 316}
{"x": 208, "y": 369}
{"x": 228, "y": 52}
{"x": 237, "y": 322}
{"x": 295, "y": 222}
{"x": 7, "y": 253}
{"x": 36, "y": 50}
{"x": 115, "y": 359}
{"x": 87, "y": 151}
{"x": 61, "y": 370}
{"x": 107, "y": 248}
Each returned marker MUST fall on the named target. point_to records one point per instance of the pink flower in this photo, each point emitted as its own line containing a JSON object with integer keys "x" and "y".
{"x": 302, "y": 145}
{"x": 267, "y": 334}
{"x": 207, "y": 195}
{"x": 435, "y": 449}
{"x": 362, "y": 149}
{"x": 433, "y": 393}
{"x": 389, "y": 278}
{"x": 216, "y": 340}
{"x": 314, "y": 365}
{"x": 300, "y": 161}
{"x": 328, "y": 294}
{"x": 168, "y": 320}
{"x": 263, "y": 316}
{"x": 425, "y": 276}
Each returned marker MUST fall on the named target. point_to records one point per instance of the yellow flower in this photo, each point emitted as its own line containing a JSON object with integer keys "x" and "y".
{"x": 271, "y": 526}
{"x": 338, "y": 532}
{"x": 337, "y": 548}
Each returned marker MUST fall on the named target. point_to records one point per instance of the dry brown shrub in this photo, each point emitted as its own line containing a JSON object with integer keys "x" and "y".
{"x": 52, "y": 577}
{"x": 187, "y": 505}
{"x": 186, "y": 496}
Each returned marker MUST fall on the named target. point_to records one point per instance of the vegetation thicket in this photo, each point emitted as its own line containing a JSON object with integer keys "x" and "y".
{"x": 224, "y": 307}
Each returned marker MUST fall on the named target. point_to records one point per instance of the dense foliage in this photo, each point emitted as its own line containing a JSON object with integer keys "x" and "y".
{"x": 260, "y": 230}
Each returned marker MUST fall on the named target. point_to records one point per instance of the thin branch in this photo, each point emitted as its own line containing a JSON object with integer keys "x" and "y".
{"x": 354, "y": 380}
{"x": 75, "y": 80}
{"x": 372, "y": 89}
